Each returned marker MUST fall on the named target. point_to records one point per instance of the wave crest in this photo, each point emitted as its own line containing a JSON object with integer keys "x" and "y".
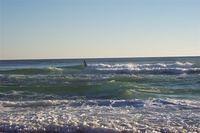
{"x": 154, "y": 68}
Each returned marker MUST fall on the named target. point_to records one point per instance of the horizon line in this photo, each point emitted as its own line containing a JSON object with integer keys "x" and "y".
{"x": 78, "y": 58}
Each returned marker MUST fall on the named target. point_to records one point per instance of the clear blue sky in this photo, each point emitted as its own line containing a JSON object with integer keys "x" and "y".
{"x": 98, "y": 28}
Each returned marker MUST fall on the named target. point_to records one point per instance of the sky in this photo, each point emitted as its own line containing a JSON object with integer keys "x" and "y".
{"x": 35, "y": 29}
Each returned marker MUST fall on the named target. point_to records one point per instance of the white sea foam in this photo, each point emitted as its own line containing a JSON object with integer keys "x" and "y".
{"x": 184, "y": 63}
{"x": 33, "y": 103}
{"x": 134, "y": 65}
{"x": 101, "y": 115}
{"x": 55, "y": 69}
{"x": 162, "y": 68}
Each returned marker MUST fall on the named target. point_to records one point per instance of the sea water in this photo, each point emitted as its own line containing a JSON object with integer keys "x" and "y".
{"x": 109, "y": 95}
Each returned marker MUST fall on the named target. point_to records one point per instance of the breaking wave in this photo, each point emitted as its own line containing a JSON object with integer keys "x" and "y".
{"x": 122, "y": 68}
{"x": 157, "y": 68}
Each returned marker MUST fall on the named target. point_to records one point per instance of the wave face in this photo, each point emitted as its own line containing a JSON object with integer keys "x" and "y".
{"x": 109, "y": 95}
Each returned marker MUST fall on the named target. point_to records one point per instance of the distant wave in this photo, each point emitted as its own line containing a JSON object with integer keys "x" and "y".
{"x": 30, "y": 71}
{"x": 157, "y": 68}
{"x": 46, "y": 70}
{"x": 184, "y": 63}
{"x": 55, "y": 69}
{"x": 121, "y": 68}
{"x": 132, "y": 65}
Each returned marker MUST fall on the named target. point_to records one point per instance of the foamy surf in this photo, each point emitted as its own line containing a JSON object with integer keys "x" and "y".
{"x": 153, "y": 68}
{"x": 100, "y": 116}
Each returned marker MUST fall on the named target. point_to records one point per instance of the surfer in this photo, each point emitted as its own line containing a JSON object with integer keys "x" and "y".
{"x": 84, "y": 63}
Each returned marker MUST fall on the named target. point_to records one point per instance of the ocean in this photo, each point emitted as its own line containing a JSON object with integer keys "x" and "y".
{"x": 158, "y": 94}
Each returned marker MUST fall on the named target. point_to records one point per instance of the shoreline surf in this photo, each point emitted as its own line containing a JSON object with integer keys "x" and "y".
{"x": 120, "y": 95}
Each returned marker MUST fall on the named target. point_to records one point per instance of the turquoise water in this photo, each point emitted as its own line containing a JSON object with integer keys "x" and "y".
{"x": 167, "y": 88}
{"x": 141, "y": 78}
